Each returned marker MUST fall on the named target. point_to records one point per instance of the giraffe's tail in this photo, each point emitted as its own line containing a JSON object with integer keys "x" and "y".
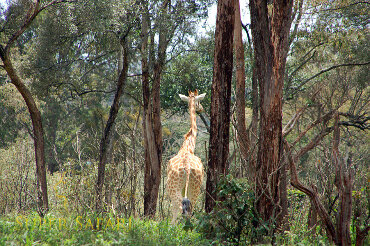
{"x": 186, "y": 204}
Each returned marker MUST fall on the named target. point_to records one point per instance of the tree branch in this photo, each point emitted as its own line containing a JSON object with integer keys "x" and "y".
{"x": 37, "y": 8}
{"x": 358, "y": 121}
{"x": 310, "y": 192}
{"x": 328, "y": 69}
{"x": 324, "y": 119}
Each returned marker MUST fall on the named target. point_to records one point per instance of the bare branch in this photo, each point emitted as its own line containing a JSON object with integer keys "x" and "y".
{"x": 313, "y": 143}
{"x": 298, "y": 19}
{"x": 344, "y": 7}
{"x": 310, "y": 192}
{"x": 289, "y": 126}
{"x": 329, "y": 69}
{"x": 358, "y": 121}
{"x": 324, "y": 118}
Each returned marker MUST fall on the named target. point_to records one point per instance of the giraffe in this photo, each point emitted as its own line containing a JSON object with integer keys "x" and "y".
{"x": 185, "y": 170}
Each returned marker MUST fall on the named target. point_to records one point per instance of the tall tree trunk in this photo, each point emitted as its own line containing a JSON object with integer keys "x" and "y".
{"x": 270, "y": 38}
{"x": 107, "y": 135}
{"x": 220, "y": 100}
{"x": 38, "y": 132}
{"x": 243, "y": 134}
{"x": 152, "y": 127}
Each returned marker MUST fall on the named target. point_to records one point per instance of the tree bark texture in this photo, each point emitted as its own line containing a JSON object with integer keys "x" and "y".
{"x": 107, "y": 135}
{"x": 270, "y": 34}
{"x": 220, "y": 100}
{"x": 243, "y": 134}
{"x": 38, "y": 132}
{"x": 152, "y": 127}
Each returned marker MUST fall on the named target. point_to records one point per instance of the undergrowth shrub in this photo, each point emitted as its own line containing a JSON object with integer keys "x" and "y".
{"x": 73, "y": 229}
{"x": 234, "y": 219}
{"x": 17, "y": 177}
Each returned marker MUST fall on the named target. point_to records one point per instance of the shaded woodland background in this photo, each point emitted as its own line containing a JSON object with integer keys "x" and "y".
{"x": 101, "y": 81}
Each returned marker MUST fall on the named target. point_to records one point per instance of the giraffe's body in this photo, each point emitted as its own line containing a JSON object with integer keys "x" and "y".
{"x": 185, "y": 170}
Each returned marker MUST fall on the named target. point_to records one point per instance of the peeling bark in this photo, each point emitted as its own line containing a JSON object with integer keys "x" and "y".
{"x": 220, "y": 100}
{"x": 243, "y": 134}
{"x": 270, "y": 33}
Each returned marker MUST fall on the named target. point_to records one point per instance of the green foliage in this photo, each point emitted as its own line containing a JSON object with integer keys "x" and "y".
{"x": 73, "y": 229}
{"x": 9, "y": 129}
{"x": 234, "y": 219}
{"x": 189, "y": 71}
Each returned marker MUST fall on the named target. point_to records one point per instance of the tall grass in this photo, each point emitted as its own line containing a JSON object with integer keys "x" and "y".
{"x": 79, "y": 230}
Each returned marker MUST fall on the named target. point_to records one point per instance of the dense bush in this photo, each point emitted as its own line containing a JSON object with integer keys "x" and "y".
{"x": 72, "y": 229}
{"x": 234, "y": 219}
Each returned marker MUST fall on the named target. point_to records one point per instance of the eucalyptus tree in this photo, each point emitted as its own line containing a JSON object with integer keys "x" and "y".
{"x": 220, "y": 100}
{"x": 270, "y": 24}
{"x": 85, "y": 45}
{"x": 73, "y": 74}
{"x": 164, "y": 25}
{"x": 328, "y": 71}
{"x": 18, "y": 18}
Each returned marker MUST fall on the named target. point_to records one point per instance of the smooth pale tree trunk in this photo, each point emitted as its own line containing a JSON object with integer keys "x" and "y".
{"x": 270, "y": 35}
{"x": 220, "y": 100}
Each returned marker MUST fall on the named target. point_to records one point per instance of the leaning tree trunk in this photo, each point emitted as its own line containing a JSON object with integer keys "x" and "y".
{"x": 339, "y": 233}
{"x": 107, "y": 135}
{"x": 270, "y": 39}
{"x": 38, "y": 133}
{"x": 220, "y": 100}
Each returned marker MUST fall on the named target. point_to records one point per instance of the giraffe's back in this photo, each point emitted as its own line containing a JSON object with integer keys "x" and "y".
{"x": 177, "y": 172}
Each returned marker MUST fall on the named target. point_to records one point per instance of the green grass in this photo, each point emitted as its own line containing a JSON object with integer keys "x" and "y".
{"x": 77, "y": 230}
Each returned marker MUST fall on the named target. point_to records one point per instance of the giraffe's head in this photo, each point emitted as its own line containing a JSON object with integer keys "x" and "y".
{"x": 194, "y": 96}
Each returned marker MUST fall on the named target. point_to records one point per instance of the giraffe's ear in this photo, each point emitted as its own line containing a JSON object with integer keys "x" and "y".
{"x": 200, "y": 97}
{"x": 184, "y": 98}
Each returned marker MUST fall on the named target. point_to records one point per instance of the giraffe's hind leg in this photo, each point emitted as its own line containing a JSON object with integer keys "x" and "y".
{"x": 174, "y": 193}
{"x": 176, "y": 206}
{"x": 195, "y": 187}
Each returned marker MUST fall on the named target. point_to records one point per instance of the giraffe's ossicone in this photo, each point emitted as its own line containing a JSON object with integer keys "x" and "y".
{"x": 185, "y": 170}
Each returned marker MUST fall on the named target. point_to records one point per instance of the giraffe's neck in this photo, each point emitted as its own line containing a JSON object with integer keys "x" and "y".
{"x": 190, "y": 137}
